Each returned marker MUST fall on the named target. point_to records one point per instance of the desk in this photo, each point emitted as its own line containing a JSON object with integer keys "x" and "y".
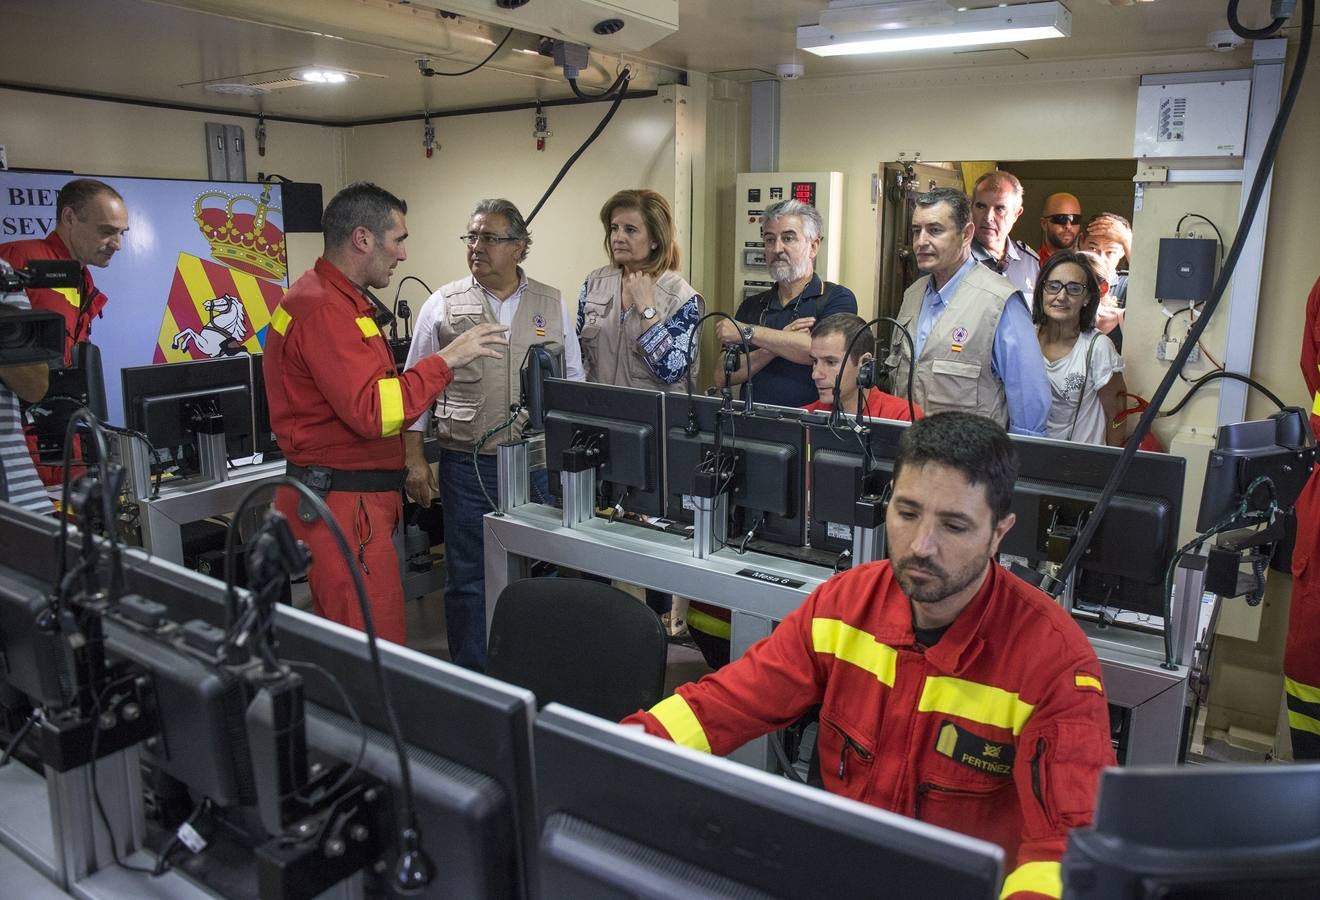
{"x": 1130, "y": 662}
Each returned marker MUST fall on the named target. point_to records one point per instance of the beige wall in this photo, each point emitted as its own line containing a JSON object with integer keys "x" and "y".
{"x": 493, "y": 155}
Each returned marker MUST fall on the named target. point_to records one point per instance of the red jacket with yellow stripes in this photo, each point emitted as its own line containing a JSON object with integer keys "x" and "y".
{"x": 336, "y": 397}
{"x": 998, "y": 731}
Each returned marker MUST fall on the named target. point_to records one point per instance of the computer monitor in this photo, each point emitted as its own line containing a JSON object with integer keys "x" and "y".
{"x": 768, "y": 452}
{"x": 624, "y": 423}
{"x": 162, "y": 400}
{"x": 1222, "y": 832}
{"x": 1278, "y": 448}
{"x": 32, "y": 659}
{"x": 623, "y": 814}
{"x": 838, "y": 455}
{"x": 1126, "y": 564}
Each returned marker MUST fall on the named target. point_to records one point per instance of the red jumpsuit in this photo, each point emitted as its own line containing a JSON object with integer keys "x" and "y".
{"x": 1301, "y": 655}
{"x": 998, "y": 731}
{"x": 78, "y": 307}
{"x": 337, "y": 401}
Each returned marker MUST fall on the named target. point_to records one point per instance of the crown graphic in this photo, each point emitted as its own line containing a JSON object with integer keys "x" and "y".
{"x": 247, "y": 241}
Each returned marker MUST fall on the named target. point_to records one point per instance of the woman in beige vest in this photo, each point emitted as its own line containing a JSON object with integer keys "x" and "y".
{"x": 637, "y": 316}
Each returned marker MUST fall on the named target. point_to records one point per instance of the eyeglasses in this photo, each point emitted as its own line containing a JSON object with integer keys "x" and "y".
{"x": 1071, "y": 288}
{"x": 1065, "y": 219}
{"x": 473, "y": 238}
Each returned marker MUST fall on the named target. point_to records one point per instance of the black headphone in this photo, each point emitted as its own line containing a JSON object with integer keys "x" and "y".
{"x": 866, "y": 374}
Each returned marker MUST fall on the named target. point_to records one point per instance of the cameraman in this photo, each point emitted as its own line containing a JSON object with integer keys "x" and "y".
{"x": 20, "y": 485}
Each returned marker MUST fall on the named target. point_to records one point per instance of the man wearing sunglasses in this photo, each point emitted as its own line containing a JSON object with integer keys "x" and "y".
{"x": 1060, "y": 223}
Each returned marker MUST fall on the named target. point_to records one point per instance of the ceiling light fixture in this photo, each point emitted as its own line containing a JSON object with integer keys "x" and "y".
{"x": 853, "y": 27}
{"x": 326, "y": 76}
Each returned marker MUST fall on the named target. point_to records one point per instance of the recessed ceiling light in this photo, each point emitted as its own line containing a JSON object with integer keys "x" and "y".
{"x": 326, "y": 76}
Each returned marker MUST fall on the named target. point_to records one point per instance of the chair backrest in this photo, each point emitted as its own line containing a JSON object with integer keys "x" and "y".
{"x": 582, "y": 643}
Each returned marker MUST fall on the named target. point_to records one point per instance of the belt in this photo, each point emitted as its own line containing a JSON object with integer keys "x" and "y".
{"x": 362, "y": 481}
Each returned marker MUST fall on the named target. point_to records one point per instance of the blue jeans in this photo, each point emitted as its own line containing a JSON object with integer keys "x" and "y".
{"x": 465, "y": 563}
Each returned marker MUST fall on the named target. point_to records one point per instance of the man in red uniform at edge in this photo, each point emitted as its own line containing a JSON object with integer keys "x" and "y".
{"x": 951, "y": 691}
{"x": 1301, "y": 654}
{"x": 90, "y": 221}
{"x": 338, "y": 404}
{"x": 709, "y": 625}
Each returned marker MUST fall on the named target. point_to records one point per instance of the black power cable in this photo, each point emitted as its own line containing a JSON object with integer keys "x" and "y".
{"x": 1217, "y": 374}
{"x": 1266, "y": 167}
{"x": 622, "y": 82}
{"x": 1251, "y": 34}
{"x": 432, "y": 73}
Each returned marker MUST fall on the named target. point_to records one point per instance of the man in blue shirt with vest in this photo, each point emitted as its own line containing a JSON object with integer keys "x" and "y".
{"x": 976, "y": 349}
{"x": 777, "y": 323}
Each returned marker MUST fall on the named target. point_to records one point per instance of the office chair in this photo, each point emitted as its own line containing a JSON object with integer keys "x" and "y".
{"x": 583, "y": 643}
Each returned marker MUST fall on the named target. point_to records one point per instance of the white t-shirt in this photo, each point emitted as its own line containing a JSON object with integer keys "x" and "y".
{"x": 1066, "y": 377}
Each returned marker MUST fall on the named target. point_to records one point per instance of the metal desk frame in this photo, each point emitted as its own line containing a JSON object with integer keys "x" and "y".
{"x": 1131, "y": 662}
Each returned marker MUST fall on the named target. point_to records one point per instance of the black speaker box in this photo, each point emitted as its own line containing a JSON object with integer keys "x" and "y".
{"x": 302, "y": 206}
{"x": 1186, "y": 269}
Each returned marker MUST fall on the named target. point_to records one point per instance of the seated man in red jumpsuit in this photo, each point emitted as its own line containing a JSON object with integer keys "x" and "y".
{"x": 950, "y": 690}
{"x": 338, "y": 404}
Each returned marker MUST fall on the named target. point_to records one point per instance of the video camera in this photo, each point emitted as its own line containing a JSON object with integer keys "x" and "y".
{"x": 34, "y": 336}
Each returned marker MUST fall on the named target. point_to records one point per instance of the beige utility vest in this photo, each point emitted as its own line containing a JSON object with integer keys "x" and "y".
{"x": 479, "y": 397}
{"x": 953, "y": 370}
{"x": 610, "y": 354}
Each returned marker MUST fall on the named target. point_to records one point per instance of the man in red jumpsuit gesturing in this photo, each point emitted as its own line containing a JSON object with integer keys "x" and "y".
{"x": 951, "y": 691}
{"x": 1301, "y": 654}
{"x": 338, "y": 404}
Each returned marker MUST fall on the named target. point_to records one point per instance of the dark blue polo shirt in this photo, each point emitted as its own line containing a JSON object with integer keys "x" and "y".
{"x": 783, "y": 382}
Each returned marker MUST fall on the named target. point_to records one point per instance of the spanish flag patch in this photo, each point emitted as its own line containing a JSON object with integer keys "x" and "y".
{"x": 1085, "y": 681}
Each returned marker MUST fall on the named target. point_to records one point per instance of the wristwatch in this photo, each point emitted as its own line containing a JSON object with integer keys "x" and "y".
{"x": 746, "y": 332}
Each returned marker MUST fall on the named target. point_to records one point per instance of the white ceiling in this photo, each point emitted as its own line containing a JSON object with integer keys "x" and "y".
{"x": 164, "y": 50}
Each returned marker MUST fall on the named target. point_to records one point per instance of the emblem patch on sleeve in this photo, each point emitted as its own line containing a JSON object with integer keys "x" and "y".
{"x": 974, "y": 751}
{"x": 1085, "y": 681}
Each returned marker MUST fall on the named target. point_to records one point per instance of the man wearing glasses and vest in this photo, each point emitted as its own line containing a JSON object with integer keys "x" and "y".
{"x": 950, "y": 690}
{"x": 777, "y": 323}
{"x": 473, "y": 413}
{"x": 338, "y": 405}
{"x": 975, "y": 345}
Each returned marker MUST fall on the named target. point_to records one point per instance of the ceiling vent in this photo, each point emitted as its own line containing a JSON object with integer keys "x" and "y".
{"x": 617, "y": 26}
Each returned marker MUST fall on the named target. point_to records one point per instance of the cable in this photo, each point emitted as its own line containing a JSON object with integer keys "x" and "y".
{"x": 406, "y": 314}
{"x": 96, "y": 793}
{"x": 1249, "y": 34}
{"x": 410, "y": 831}
{"x": 476, "y": 458}
{"x": 1213, "y": 376}
{"x": 1189, "y": 308}
{"x": 624, "y": 77}
{"x": 838, "y": 379}
{"x": 352, "y": 714}
{"x": 605, "y": 94}
{"x": 1218, "y": 233}
{"x": 432, "y": 73}
{"x": 781, "y": 757}
{"x": 18, "y": 737}
{"x": 84, "y": 416}
{"x": 1263, "y": 172}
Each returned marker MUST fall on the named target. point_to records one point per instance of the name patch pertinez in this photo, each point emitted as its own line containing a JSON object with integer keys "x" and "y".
{"x": 974, "y": 751}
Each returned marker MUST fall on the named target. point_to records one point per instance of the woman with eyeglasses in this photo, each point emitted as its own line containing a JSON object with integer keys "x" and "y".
{"x": 637, "y": 315}
{"x": 1083, "y": 366}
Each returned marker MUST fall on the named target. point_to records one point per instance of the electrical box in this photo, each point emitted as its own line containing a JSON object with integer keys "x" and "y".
{"x": 1186, "y": 269}
{"x": 756, "y": 191}
{"x": 1191, "y": 119}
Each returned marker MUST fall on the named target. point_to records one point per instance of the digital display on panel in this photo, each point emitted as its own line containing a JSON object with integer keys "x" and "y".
{"x": 804, "y": 191}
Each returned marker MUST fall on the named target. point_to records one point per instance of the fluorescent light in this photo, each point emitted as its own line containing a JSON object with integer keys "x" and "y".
{"x": 962, "y": 28}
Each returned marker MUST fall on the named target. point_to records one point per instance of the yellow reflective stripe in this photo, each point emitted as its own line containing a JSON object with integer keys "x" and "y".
{"x": 70, "y": 294}
{"x": 1315, "y": 404}
{"x": 1303, "y": 722}
{"x": 391, "y": 406}
{"x": 708, "y": 624}
{"x": 681, "y": 722}
{"x": 1088, "y": 681}
{"x": 977, "y": 702}
{"x": 279, "y": 320}
{"x": 852, "y": 645}
{"x": 1303, "y": 692}
{"x": 1037, "y": 877}
{"x": 367, "y": 327}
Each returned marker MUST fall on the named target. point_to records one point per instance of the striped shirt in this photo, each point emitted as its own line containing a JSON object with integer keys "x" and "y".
{"x": 21, "y": 485}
